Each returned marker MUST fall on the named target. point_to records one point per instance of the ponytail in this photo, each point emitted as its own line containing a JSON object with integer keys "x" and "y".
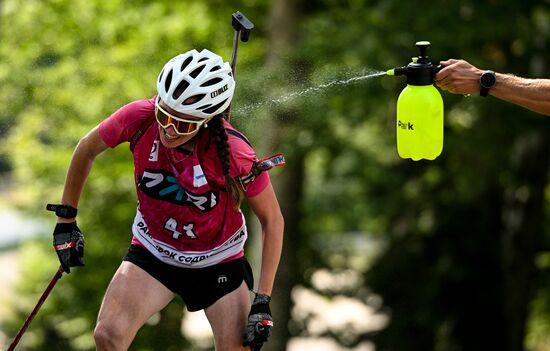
{"x": 224, "y": 154}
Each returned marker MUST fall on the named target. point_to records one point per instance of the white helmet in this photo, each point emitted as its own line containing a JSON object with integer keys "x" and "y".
{"x": 202, "y": 75}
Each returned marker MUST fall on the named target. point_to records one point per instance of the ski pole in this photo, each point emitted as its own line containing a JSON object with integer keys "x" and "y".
{"x": 242, "y": 27}
{"x": 43, "y": 298}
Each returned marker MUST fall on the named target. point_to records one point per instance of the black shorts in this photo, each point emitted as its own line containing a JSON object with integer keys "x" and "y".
{"x": 198, "y": 287}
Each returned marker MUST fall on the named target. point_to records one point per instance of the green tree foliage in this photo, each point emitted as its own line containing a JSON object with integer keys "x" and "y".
{"x": 450, "y": 276}
{"x": 466, "y": 262}
{"x": 65, "y": 66}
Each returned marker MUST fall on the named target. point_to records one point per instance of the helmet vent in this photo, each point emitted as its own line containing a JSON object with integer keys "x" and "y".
{"x": 215, "y": 68}
{"x": 168, "y": 81}
{"x": 203, "y": 59}
{"x": 193, "y": 99}
{"x": 211, "y": 82}
{"x": 160, "y": 75}
{"x": 215, "y": 107}
{"x": 204, "y": 106}
{"x": 180, "y": 89}
{"x": 186, "y": 63}
{"x": 196, "y": 71}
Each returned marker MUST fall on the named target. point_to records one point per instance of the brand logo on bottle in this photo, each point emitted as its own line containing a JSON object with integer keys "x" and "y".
{"x": 406, "y": 126}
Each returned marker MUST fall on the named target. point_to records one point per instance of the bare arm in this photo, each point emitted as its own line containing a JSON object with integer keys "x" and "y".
{"x": 266, "y": 208}
{"x": 83, "y": 158}
{"x": 461, "y": 77}
{"x": 533, "y": 94}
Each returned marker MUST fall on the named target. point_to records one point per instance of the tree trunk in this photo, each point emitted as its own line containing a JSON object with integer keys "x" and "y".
{"x": 283, "y": 29}
{"x": 522, "y": 217}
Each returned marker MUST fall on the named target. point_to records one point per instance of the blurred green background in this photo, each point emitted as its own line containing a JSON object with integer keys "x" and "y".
{"x": 380, "y": 253}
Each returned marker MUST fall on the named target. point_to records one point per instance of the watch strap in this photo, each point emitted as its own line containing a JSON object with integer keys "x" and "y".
{"x": 484, "y": 91}
{"x": 64, "y": 211}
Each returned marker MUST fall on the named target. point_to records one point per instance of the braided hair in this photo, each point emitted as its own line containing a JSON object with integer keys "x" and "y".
{"x": 224, "y": 154}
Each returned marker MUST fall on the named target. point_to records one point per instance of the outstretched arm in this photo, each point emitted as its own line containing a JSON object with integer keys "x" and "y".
{"x": 533, "y": 94}
{"x": 84, "y": 155}
{"x": 461, "y": 77}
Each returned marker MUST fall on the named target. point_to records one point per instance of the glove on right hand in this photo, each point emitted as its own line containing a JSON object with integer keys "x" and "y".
{"x": 259, "y": 324}
{"x": 68, "y": 243}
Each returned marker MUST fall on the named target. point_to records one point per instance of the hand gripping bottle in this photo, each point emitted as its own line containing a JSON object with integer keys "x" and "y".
{"x": 419, "y": 109}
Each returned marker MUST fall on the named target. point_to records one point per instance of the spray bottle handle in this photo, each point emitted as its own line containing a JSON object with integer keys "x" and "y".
{"x": 436, "y": 69}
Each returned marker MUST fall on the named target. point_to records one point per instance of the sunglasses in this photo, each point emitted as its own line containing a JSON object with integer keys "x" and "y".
{"x": 182, "y": 126}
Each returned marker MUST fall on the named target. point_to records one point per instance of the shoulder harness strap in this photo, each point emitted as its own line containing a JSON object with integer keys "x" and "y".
{"x": 142, "y": 129}
{"x": 263, "y": 165}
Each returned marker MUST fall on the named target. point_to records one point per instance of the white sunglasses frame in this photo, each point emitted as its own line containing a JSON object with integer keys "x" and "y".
{"x": 198, "y": 123}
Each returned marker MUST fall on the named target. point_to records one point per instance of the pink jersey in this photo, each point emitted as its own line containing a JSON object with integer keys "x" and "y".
{"x": 184, "y": 216}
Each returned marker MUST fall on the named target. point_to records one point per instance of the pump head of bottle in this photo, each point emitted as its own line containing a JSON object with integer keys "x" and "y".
{"x": 420, "y": 71}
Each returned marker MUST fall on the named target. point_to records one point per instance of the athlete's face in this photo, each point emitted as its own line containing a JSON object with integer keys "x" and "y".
{"x": 169, "y": 136}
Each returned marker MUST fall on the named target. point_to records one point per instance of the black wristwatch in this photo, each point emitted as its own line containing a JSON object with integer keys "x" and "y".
{"x": 487, "y": 81}
{"x": 64, "y": 211}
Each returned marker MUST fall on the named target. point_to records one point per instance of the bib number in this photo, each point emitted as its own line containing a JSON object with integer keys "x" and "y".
{"x": 172, "y": 225}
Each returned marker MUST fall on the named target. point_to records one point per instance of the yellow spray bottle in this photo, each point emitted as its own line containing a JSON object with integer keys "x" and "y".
{"x": 419, "y": 109}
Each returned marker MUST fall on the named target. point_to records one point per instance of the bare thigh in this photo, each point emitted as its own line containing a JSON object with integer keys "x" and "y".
{"x": 228, "y": 317}
{"x": 132, "y": 297}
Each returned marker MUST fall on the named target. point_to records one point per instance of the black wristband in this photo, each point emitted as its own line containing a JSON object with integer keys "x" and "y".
{"x": 64, "y": 211}
{"x": 261, "y": 298}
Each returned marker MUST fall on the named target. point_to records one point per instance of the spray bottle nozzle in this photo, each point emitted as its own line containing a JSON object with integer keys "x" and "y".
{"x": 397, "y": 71}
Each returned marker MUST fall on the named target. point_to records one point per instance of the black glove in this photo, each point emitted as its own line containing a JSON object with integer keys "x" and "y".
{"x": 259, "y": 324}
{"x": 68, "y": 242}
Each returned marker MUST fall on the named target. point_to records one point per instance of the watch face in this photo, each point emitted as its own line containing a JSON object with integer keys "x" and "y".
{"x": 488, "y": 79}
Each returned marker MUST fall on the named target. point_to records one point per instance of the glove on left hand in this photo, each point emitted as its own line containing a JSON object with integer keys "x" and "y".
{"x": 68, "y": 243}
{"x": 259, "y": 324}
